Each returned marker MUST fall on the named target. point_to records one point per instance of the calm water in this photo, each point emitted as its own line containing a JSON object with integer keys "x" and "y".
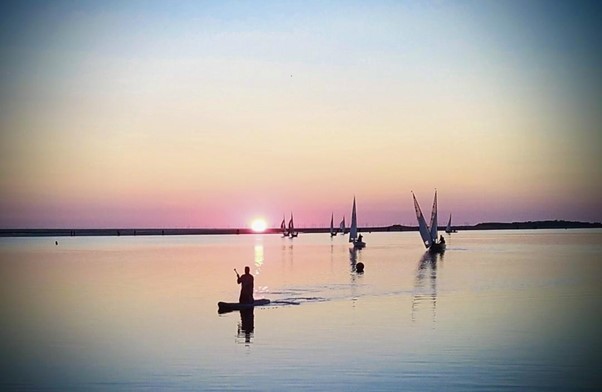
{"x": 500, "y": 310}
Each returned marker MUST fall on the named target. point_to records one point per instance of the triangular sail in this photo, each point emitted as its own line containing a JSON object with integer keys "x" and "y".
{"x": 332, "y": 232}
{"x": 448, "y": 229}
{"x": 422, "y": 227}
{"x": 353, "y": 229}
{"x": 433, "y": 224}
{"x": 342, "y": 226}
{"x": 283, "y": 226}
{"x": 291, "y": 227}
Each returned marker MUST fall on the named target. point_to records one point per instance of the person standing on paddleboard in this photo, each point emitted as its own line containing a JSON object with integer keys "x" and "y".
{"x": 246, "y": 287}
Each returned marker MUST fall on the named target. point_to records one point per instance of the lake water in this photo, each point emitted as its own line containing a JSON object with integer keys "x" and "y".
{"x": 500, "y": 310}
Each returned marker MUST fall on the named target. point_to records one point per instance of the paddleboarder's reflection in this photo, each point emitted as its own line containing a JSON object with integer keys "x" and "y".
{"x": 246, "y": 325}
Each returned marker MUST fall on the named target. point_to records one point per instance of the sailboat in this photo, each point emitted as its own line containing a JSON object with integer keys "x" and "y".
{"x": 449, "y": 229}
{"x": 333, "y": 232}
{"x": 342, "y": 226}
{"x": 429, "y": 232}
{"x": 291, "y": 228}
{"x": 353, "y": 237}
{"x": 283, "y": 227}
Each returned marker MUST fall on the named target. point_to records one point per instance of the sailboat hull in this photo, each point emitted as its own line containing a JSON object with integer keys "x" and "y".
{"x": 437, "y": 247}
{"x": 359, "y": 244}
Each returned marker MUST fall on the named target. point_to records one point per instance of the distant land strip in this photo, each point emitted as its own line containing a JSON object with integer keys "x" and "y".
{"x": 529, "y": 225}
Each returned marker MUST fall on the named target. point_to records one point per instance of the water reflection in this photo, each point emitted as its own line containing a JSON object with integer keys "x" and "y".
{"x": 425, "y": 285}
{"x": 287, "y": 252}
{"x": 246, "y": 326}
{"x": 259, "y": 258}
{"x": 355, "y": 261}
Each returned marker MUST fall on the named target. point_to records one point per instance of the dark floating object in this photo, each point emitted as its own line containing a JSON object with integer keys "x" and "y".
{"x": 223, "y": 307}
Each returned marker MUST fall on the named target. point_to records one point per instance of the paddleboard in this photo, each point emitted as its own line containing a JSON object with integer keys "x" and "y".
{"x": 231, "y": 306}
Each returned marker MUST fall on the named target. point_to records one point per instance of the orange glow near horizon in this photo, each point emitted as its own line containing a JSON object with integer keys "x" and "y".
{"x": 259, "y": 225}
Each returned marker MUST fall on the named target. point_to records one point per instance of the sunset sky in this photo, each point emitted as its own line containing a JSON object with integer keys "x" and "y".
{"x": 210, "y": 114}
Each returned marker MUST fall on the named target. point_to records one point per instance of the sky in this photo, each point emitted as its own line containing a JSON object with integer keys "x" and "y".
{"x": 211, "y": 114}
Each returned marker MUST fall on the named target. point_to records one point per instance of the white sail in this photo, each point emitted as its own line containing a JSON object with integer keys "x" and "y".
{"x": 422, "y": 227}
{"x": 342, "y": 226}
{"x": 448, "y": 229}
{"x": 353, "y": 229}
{"x": 433, "y": 224}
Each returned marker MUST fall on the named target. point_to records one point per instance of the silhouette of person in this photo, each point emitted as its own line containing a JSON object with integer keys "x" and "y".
{"x": 441, "y": 239}
{"x": 246, "y": 287}
{"x": 359, "y": 238}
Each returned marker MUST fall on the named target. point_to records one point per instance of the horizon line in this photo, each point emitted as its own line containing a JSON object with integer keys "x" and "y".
{"x": 134, "y": 231}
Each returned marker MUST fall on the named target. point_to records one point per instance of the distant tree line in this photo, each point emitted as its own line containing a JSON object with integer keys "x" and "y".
{"x": 529, "y": 225}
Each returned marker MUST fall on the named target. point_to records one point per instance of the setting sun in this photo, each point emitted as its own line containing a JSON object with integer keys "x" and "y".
{"x": 259, "y": 225}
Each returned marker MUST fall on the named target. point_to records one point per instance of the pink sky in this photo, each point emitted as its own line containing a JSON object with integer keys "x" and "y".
{"x": 138, "y": 117}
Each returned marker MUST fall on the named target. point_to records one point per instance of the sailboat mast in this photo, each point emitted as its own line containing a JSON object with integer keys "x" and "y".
{"x": 433, "y": 225}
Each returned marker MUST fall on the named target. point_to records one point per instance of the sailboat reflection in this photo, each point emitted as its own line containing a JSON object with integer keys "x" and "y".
{"x": 425, "y": 291}
{"x": 357, "y": 269}
{"x": 352, "y": 258}
{"x": 246, "y": 326}
{"x": 356, "y": 266}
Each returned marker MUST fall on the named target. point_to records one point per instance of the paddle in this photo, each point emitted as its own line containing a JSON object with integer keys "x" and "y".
{"x": 237, "y": 275}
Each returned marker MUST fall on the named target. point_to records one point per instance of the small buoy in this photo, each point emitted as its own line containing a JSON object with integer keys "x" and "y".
{"x": 56, "y": 242}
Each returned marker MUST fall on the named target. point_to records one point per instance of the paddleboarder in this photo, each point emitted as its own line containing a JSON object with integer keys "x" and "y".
{"x": 246, "y": 286}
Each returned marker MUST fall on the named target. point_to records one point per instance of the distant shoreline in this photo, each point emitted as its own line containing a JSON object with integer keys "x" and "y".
{"x": 529, "y": 225}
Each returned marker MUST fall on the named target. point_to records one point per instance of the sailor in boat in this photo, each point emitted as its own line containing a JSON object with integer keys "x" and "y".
{"x": 441, "y": 240}
{"x": 246, "y": 287}
{"x": 359, "y": 238}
